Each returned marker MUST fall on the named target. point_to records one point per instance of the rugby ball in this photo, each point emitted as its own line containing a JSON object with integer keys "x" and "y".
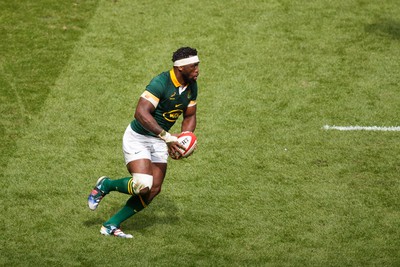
{"x": 189, "y": 141}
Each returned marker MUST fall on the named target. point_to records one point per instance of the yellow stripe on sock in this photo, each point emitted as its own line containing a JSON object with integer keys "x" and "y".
{"x": 130, "y": 189}
{"x": 141, "y": 200}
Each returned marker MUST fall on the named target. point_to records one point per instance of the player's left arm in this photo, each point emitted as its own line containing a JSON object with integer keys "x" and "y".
{"x": 189, "y": 119}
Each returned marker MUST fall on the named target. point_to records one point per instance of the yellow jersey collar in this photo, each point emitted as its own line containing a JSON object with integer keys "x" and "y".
{"x": 174, "y": 79}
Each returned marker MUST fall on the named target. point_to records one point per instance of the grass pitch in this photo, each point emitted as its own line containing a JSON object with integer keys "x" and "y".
{"x": 267, "y": 187}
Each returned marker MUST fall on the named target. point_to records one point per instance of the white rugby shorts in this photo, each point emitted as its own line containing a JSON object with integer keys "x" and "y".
{"x": 137, "y": 146}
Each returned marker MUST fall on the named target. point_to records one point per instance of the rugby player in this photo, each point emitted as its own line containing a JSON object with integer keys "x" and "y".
{"x": 147, "y": 141}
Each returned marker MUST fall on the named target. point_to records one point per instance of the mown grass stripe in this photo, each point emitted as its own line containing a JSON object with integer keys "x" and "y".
{"x": 37, "y": 39}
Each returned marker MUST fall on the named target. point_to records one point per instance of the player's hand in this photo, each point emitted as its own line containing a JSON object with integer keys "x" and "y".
{"x": 167, "y": 137}
{"x": 175, "y": 150}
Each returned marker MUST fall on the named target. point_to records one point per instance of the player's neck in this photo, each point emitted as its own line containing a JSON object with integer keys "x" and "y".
{"x": 179, "y": 77}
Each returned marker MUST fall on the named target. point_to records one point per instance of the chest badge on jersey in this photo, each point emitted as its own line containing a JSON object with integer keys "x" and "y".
{"x": 172, "y": 97}
{"x": 172, "y": 115}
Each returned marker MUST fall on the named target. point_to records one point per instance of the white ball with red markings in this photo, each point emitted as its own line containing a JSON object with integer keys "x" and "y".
{"x": 189, "y": 141}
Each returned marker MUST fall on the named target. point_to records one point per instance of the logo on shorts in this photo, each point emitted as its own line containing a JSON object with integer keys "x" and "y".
{"x": 172, "y": 115}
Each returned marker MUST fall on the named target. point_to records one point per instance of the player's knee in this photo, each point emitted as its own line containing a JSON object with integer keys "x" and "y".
{"x": 141, "y": 183}
{"x": 145, "y": 191}
{"x": 155, "y": 190}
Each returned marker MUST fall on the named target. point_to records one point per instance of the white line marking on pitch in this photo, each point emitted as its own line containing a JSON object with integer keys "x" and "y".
{"x": 362, "y": 128}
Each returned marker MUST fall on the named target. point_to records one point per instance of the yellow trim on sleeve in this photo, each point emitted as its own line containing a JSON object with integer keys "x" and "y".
{"x": 152, "y": 98}
{"x": 192, "y": 103}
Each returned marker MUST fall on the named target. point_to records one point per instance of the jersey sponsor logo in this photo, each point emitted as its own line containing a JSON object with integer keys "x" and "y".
{"x": 172, "y": 115}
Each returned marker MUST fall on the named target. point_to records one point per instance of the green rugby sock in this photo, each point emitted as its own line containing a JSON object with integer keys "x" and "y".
{"x": 123, "y": 185}
{"x": 132, "y": 206}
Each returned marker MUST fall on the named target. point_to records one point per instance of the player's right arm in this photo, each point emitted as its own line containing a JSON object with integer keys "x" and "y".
{"x": 143, "y": 115}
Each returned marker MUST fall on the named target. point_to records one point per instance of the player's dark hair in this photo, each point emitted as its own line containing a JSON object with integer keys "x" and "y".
{"x": 183, "y": 52}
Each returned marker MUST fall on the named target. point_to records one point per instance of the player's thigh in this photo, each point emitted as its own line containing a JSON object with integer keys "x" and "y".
{"x": 159, "y": 172}
{"x": 145, "y": 166}
{"x": 140, "y": 166}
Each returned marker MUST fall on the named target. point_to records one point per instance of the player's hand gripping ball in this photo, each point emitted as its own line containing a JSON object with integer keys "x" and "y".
{"x": 189, "y": 141}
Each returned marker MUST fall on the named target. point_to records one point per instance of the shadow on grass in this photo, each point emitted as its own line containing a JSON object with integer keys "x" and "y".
{"x": 385, "y": 27}
{"x": 161, "y": 211}
{"x": 34, "y": 52}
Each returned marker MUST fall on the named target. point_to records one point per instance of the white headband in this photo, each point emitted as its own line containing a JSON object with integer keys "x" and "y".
{"x": 186, "y": 61}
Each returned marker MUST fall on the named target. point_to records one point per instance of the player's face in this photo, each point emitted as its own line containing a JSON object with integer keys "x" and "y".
{"x": 190, "y": 72}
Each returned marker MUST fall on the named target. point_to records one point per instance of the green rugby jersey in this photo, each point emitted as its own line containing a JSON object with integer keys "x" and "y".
{"x": 164, "y": 91}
